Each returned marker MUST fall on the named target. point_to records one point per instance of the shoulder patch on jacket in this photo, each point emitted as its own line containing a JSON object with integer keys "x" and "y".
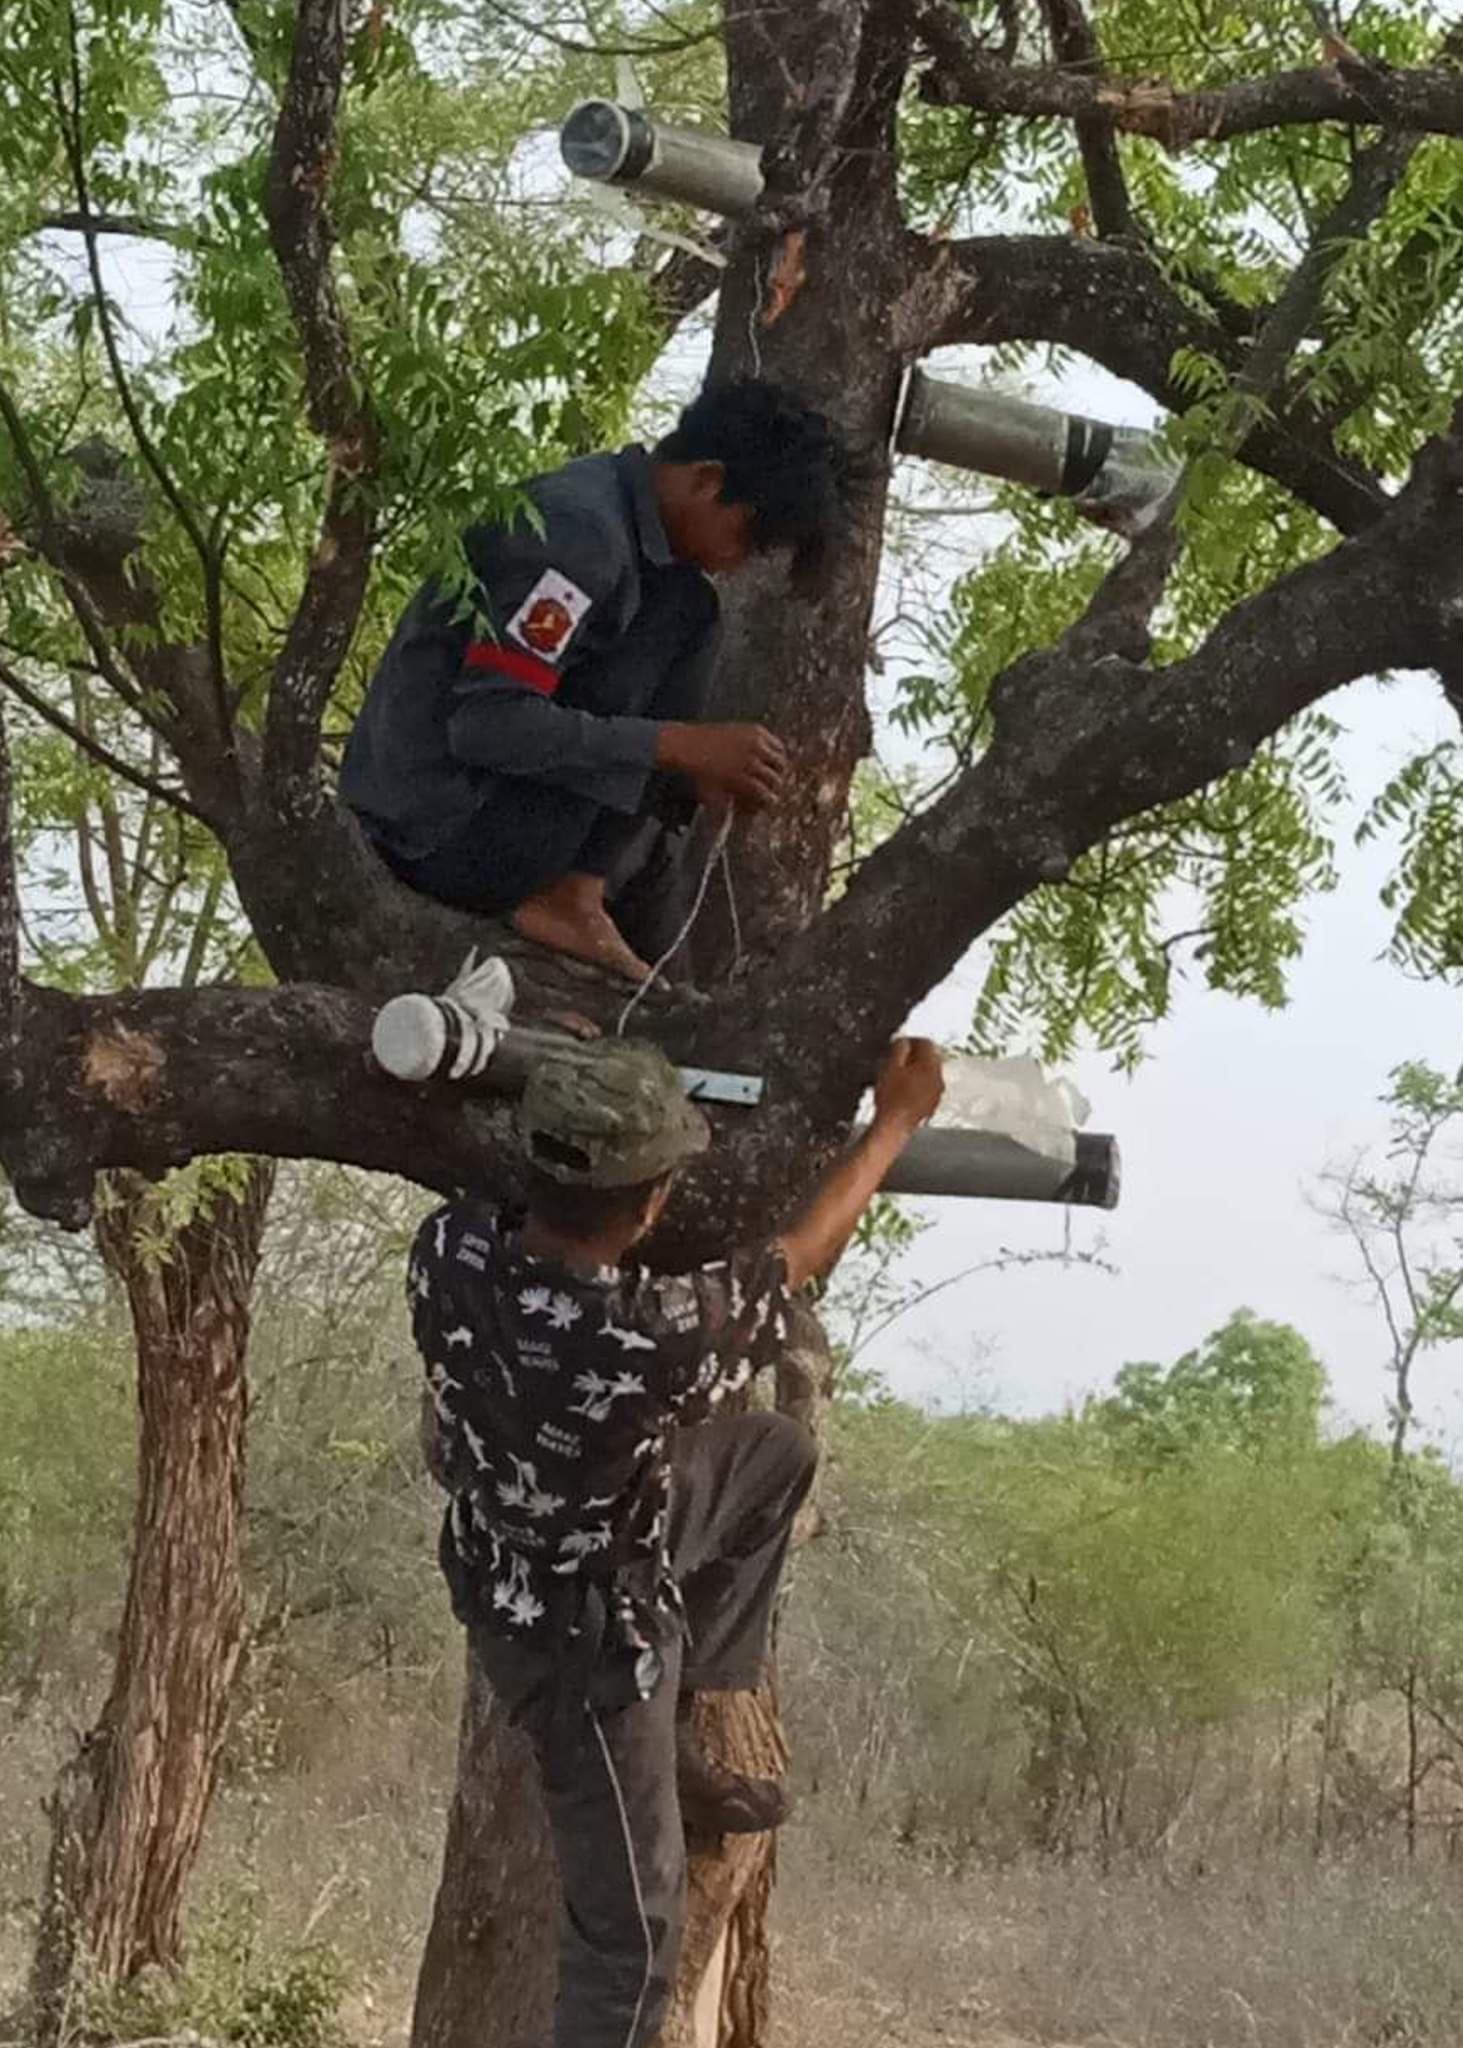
{"x": 549, "y": 616}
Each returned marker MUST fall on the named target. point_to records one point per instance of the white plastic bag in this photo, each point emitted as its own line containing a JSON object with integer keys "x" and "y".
{"x": 1014, "y": 1098}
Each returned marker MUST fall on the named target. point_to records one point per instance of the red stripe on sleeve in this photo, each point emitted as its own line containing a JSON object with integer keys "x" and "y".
{"x": 507, "y": 661}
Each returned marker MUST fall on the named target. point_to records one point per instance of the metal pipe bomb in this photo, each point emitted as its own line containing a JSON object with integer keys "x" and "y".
{"x": 465, "y": 1035}
{"x": 989, "y": 1166}
{"x": 1114, "y": 475}
{"x": 614, "y": 145}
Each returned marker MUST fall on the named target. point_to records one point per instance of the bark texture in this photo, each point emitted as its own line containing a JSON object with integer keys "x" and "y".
{"x": 128, "y": 1814}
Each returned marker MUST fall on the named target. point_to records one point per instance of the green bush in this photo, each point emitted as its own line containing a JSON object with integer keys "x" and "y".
{"x": 66, "y": 1486}
{"x": 1181, "y": 1610}
{"x": 230, "y": 1988}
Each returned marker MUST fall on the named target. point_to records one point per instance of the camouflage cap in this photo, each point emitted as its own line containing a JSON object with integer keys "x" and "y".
{"x": 609, "y": 1115}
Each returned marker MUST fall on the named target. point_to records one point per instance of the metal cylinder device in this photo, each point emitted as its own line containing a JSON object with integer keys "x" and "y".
{"x": 989, "y": 1166}
{"x": 610, "y": 144}
{"x": 421, "y": 1038}
{"x": 1116, "y": 476}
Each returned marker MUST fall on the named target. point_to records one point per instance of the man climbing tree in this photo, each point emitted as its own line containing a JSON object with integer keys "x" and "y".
{"x": 1013, "y": 178}
{"x": 614, "y": 1545}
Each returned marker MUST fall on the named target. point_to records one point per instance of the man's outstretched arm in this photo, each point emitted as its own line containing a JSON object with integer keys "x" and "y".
{"x": 906, "y": 1094}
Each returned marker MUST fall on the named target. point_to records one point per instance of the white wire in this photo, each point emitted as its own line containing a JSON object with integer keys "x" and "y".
{"x": 754, "y": 322}
{"x": 718, "y": 848}
{"x": 629, "y": 1841}
{"x": 732, "y": 911}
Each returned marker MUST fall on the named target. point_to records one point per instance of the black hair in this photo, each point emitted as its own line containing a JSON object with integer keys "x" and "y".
{"x": 575, "y": 1210}
{"x": 784, "y": 458}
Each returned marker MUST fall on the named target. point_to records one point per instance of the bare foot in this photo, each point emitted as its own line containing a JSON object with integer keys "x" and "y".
{"x": 584, "y": 931}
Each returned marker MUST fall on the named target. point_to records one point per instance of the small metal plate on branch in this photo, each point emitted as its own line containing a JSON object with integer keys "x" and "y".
{"x": 702, "y": 1084}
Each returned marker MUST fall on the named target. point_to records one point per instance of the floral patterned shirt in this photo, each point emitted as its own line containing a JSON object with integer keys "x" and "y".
{"x": 556, "y": 1393}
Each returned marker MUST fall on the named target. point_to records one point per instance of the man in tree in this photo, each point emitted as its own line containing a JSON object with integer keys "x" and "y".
{"x": 522, "y": 753}
{"x": 612, "y": 1544}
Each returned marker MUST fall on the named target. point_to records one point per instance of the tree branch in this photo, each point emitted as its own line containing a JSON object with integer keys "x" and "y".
{"x": 135, "y": 227}
{"x": 10, "y": 1024}
{"x": 678, "y": 286}
{"x": 71, "y": 122}
{"x": 1117, "y": 619}
{"x": 86, "y": 612}
{"x": 1110, "y": 302}
{"x": 138, "y": 777}
{"x": 1075, "y": 47}
{"x": 966, "y": 73}
{"x": 155, "y": 1077}
{"x": 1080, "y": 745}
{"x": 93, "y": 557}
{"x": 301, "y": 161}
{"x": 655, "y": 46}
{"x": 1379, "y": 170}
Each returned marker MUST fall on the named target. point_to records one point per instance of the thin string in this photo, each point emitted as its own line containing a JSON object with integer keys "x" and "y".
{"x": 718, "y": 850}
{"x": 731, "y": 906}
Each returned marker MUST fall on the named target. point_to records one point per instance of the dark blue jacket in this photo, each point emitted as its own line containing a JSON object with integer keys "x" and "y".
{"x": 581, "y": 635}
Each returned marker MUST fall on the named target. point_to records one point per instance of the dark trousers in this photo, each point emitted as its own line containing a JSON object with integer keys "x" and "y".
{"x": 511, "y": 854}
{"x": 609, "y": 1779}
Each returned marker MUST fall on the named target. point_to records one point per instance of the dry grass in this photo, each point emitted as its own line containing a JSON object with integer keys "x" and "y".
{"x": 331, "y": 1822}
{"x": 1290, "y": 1954}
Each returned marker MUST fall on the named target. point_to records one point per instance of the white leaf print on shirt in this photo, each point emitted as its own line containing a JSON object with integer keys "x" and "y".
{"x": 513, "y": 1596}
{"x": 628, "y": 1340}
{"x": 459, "y": 1338}
{"x": 524, "y": 1491}
{"x": 441, "y": 1237}
{"x": 562, "y": 1310}
{"x": 586, "y": 1542}
{"x": 600, "y": 1394}
{"x": 439, "y": 1380}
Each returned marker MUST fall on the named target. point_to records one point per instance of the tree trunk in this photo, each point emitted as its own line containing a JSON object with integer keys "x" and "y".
{"x": 487, "y": 1972}
{"x": 800, "y": 666}
{"x": 128, "y": 1812}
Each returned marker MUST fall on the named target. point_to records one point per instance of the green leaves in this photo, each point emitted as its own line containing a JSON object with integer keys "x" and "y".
{"x": 1215, "y": 882}
{"x": 1423, "y": 804}
{"x": 1254, "y": 1388}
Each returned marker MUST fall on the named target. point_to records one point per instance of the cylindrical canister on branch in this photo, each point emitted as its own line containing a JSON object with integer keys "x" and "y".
{"x": 1117, "y": 476}
{"x": 614, "y": 145}
{"x": 465, "y": 1035}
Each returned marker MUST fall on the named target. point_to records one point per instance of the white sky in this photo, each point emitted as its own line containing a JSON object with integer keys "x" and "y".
{"x": 1224, "y": 1131}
